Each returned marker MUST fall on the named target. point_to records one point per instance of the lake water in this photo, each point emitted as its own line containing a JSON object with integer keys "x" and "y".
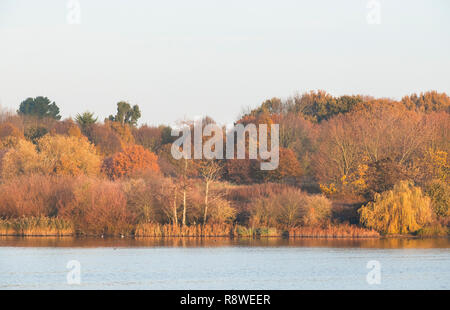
{"x": 42, "y": 263}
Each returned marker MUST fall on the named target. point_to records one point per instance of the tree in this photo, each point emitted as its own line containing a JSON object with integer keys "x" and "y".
{"x": 382, "y": 175}
{"x": 404, "y": 209}
{"x": 428, "y": 101}
{"x": 40, "y": 107}
{"x": 66, "y": 127}
{"x": 210, "y": 171}
{"x": 132, "y": 159}
{"x": 439, "y": 192}
{"x": 22, "y": 159}
{"x": 149, "y": 137}
{"x": 320, "y": 105}
{"x": 86, "y": 120}
{"x": 288, "y": 168}
{"x": 106, "y": 139}
{"x": 68, "y": 155}
{"x": 126, "y": 114}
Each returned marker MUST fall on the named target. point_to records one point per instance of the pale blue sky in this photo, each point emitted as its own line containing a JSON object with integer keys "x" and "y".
{"x": 185, "y": 58}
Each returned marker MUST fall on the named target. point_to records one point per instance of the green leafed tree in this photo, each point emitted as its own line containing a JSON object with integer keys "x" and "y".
{"x": 126, "y": 114}
{"x": 40, "y": 107}
{"x": 86, "y": 119}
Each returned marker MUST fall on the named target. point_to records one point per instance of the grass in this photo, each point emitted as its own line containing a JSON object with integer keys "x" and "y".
{"x": 36, "y": 226}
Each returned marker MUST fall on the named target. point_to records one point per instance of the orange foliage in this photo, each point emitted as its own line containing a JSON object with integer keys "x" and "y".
{"x": 132, "y": 159}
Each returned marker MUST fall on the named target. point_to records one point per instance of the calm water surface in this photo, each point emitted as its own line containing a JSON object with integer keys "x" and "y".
{"x": 41, "y": 263}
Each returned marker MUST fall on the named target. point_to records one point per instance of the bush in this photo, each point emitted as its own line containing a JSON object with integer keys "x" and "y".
{"x": 290, "y": 208}
{"x": 404, "y": 209}
{"x": 34, "y": 196}
{"x": 318, "y": 210}
{"x": 98, "y": 207}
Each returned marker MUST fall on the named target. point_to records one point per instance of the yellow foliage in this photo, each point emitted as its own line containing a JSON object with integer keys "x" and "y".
{"x": 21, "y": 159}
{"x": 328, "y": 190}
{"x": 9, "y": 142}
{"x": 438, "y": 164}
{"x": 124, "y": 132}
{"x": 68, "y": 155}
{"x": 404, "y": 209}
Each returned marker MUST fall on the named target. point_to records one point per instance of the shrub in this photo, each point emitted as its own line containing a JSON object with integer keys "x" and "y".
{"x": 404, "y": 209}
{"x": 290, "y": 208}
{"x": 98, "y": 207}
{"x": 34, "y": 196}
{"x": 318, "y": 210}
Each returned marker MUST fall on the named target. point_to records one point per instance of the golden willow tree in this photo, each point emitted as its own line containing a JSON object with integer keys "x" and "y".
{"x": 402, "y": 210}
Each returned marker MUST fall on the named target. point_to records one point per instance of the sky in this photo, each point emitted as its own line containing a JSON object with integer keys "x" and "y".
{"x": 181, "y": 59}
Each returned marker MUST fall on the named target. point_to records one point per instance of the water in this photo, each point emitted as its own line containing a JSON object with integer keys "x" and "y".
{"x": 41, "y": 263}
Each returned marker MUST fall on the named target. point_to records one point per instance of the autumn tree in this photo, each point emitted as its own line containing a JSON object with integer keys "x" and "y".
{"x": 320, "y": 105}
{"x": 402, "y": 210}
{"x": 288, "y": 168}
{"x": 382, "y": 175}
{"x": 106, "y": 140}
{"x": 428, "y": 102}
{"x": 66, "y": 127}
{"x": 131, "y": 160}
{"x": 68, "y": 155}
{"x": 22, "y": 159}
{"x": 149, "y": 137}
{"x": 439, "y": 192}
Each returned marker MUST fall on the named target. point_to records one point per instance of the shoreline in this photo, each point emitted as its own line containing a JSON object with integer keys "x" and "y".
{"x": 113, "y": 237}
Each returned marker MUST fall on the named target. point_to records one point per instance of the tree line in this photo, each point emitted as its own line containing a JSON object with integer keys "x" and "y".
{"x": 369, "y": 162}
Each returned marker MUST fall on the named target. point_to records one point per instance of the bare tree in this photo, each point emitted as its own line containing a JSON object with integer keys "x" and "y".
{"x": 210, "y": 171}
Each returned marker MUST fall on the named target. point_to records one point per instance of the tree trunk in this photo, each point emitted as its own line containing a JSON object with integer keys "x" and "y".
{"x": 206, "y": 203}
{"x": 175, "y": 216}
{"x": 184, "y": 191}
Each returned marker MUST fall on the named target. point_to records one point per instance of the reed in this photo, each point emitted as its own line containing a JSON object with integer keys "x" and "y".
{"x": 332, "y": 231}
{"x": 169, "y": 230}
{"x": 36, "y": 226}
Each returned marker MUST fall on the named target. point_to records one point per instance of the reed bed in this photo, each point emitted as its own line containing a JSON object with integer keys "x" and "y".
{"x": 36, "y": 226}
{"x": 46, "y": 226}
{"x": 168, "y": 230}
{"x": 333, "y": 231}
{"x": 248, "y": 232}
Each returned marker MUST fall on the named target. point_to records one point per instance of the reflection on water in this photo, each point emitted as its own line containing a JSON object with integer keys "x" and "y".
{"x": 382, "y": 243}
